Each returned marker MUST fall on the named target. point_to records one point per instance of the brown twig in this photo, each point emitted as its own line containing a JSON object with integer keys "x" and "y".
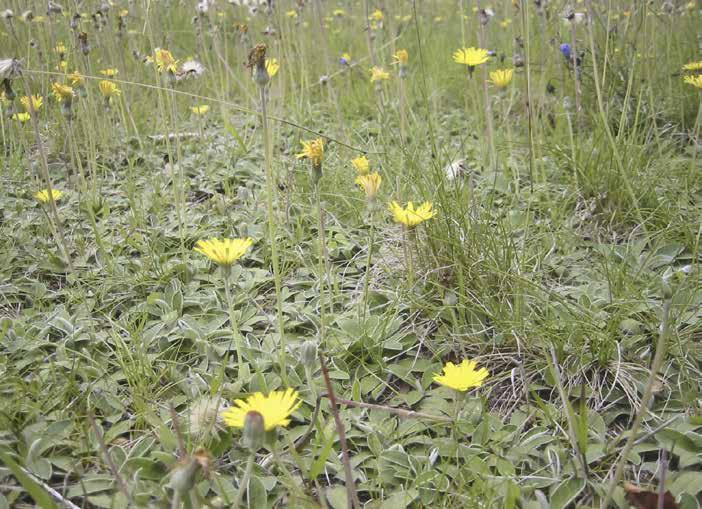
{"x": 353, "y": 501}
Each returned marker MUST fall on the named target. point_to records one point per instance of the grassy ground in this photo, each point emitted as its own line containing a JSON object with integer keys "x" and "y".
{"x": 563, "y": 257}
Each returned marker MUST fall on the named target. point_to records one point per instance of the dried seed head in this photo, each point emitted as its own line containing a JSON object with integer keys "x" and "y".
{"x": 257, "y": 64}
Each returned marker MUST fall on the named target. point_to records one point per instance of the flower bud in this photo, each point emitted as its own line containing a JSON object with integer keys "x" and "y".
{"x": 309, "y": 354}
{"x": 183, "y": 477}
{"x": 254, "y": 431}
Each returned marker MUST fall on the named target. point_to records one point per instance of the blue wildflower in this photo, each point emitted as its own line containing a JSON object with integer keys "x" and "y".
{"x": 566, "y": 51}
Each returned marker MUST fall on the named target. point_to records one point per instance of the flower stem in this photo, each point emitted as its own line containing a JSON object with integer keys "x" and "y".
{"x": 270, "y": 190}
{"x": 656, "y": 364}
{"x": 236, "y": 335}
{"x": 244, "y": 484}
{"x": 366, "y": 278}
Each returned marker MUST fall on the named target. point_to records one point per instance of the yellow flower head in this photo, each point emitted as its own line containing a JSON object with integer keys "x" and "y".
{"x": 401, "y": 57}
{"x": 462, "y": 377}
{"x": 110, "y": 73}
{"x": 225, "y": 251}
{"x": 410, "y": 216}
{"x": 37, "y": 102}
{"x": 695, "y": 81}
{"x": 164, "y": 61}
{"x": 109, "y": 89}
{"x": 312, "y": 150}
{"x": 272, "y": 66}
{"x": 501, "y": 77}
{"x": 693, "y": 66}
{"x": 362, "y": 165}
{"x": 21, "y": 117}
{"x": 370, "y": 184}
{"x": 61, "y": 92}
{"x": 471, "y": 56}
{"x": 377, "y": 15}
{"x": 43, "y": 195}
{"x": 275, "y": 409}
{"x": 291, "y": 14}
{"x": 200, "y": 110}
{"x": 123, "y": 13}
{"x": 76, "y": 79}
{"x": 60, "y": 49}
{"x": 379, "y": 74}
{"x": 505, "y": 23}
{"x": 339, "y": 13}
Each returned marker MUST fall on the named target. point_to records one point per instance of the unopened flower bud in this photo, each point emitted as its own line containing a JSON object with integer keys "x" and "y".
{"x": 183, "y": 477}
{"x": 254, "y": 431}
{"x": 309, "y": 354}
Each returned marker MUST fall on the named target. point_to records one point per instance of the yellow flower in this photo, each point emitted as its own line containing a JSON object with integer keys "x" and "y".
{"x": 377, "y": 15}
{"x": 60, "y": 49}
{"x": 225, "y": 251}
{"x": 63, "y": 66}
{"x": 275, "y": 409}
{"x": 109, "y": 89}
{"x": 291, "y": 14}
{"x": 21, "y": 117}
{"x": 43, "y": 195}
{"x": 200, "y": 110}
{"x": 471, "y": 56}
{"x": 37, "y": 102}
{"x": 501, "y": 77}
{"x": 272, "y": 66}
{"x": 339, "y": 13}
{"x": 312, "y": 150}
{"x": 61, "y": 92}
{"x": 362, "y": 165}
{"x": 462, "y": 377}
{"x": 693, "y": 66}
{"x": 370, "y": 184}
{"x": 505, "y": 23}
{"x": 76, "y": 79}
{"x": 410, "y": 216}
{"x": 401, "y": 57}
{"x": 165, "y": 61}
{"x": 123, "y": 13}
{"x": 379, "y": 74}
{"x": 110, "y": 73}
{"x": 695, "y": 81}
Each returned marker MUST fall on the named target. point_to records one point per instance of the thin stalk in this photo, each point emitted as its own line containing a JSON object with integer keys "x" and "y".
{"x": 352, "y": 496}
{"x": 44, "y": 173}
{"x": 489, "y": 131}
{"x": 236, "y": 335}
{"x": 272, "y": 230}
{"x": 658, "y": 359}
{"x": 244, "y": 484}
{"x": 366, "y": 277}
{"x": 322, "y": 264}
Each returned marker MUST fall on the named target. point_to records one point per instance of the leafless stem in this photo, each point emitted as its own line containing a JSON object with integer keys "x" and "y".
{"x": 353, "y": 501}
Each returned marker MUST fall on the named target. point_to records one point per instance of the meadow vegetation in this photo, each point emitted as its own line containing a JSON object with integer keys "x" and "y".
{"x": 350, "y": 253}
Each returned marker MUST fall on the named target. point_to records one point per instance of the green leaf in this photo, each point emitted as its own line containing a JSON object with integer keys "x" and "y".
{"x": 337, "y": 497}
{"x": 566, "y": 492}
{"x": 34, "y": 489}
{"x": 233, "y": 131}
{"x": 257, "y": 493}
{"x": 318, "y": 465}
{"x": 686, "y": 482}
